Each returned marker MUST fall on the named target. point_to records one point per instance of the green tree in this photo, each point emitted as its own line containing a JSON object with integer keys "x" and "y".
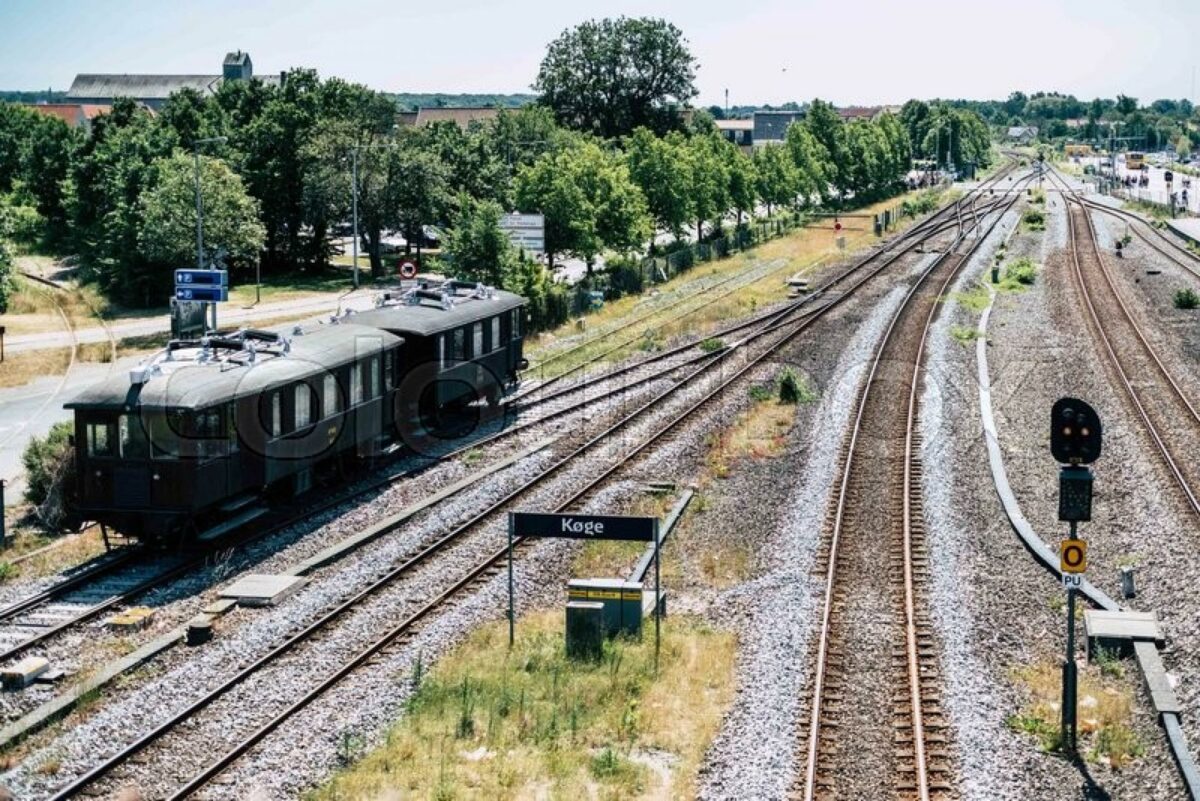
{"x": 47, "y": 169}
{"x": 778, "y": 178}
{"x": 1126, "y": 105}
{"x": 6, "y": 276}
{"x": 418, "y": 186}
{"x": 612, "y": 76}
{"x": 589, "y": 201}
{"x": 811, "y": 162}
{"x": 477, "y": 247}
{"x": 708, "y": 188}
{"x": 822, "y": 121}
{"x": 743, "y": 181}
{"x": 167, "y": 235}
{"x": 659, "y": 168}
{"x": 15, "y": 122}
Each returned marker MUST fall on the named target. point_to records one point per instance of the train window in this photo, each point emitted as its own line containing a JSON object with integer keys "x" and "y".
{"x": 165, "y": 431}
{"x": 209, "y": 433}
{"x": 389, "y": 369}
{"x": 231, "y": 426}
{"x": 356, "y": 384}
{"x": 495, "y": 325}
{"x": 441, "y": 340}
{"x": 459, "y": 351}
{"x": 276, "y": 414}
{"x": 329, "y": 396}
{"x": 134, "y": 444}
{"x": 303, "y": 406}
{"x": 516, "y": 323}
{"x": 477, "y": 340}
{"x": 100, "y": 439}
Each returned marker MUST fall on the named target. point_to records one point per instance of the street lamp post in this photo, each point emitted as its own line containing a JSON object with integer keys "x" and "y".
{"x": 200, "y": 210}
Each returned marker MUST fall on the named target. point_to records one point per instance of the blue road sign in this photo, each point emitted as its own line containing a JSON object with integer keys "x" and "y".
{"x": 201, "y": 278}
{"x": 208, "y": 294}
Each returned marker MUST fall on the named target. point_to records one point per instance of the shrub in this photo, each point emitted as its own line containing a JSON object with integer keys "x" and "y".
{"x": 1187, "y": 299}
{"x": 1034, "y": 219}
{"x": 50, "y": 474}
{"x": 1022, "y": 270}
{"x": 794, "y": 389}
{"x": 712, "y": 345}
{"x": 624, "y": 278}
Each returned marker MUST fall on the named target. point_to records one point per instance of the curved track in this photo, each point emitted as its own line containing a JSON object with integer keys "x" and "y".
{"x": 1169, "y": 417}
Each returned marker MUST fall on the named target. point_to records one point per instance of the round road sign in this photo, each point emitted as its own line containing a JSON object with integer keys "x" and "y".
{"x": 408, "y": 269}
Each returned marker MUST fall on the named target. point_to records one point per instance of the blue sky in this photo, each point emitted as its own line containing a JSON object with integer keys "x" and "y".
{"x": 849, "y": 51}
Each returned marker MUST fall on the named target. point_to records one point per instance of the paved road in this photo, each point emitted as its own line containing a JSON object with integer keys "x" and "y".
{"x": 227, "y": 316}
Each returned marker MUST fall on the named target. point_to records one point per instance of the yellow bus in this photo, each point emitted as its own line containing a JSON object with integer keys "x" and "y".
{"x": 1135, "y": 161}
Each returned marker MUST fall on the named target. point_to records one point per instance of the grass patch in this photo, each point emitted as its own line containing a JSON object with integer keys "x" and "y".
{"x": 1038, "y": 197}
{"x": 1186, "y": 299}
{"x": 758, "y": 433}
{"x": 1154, "y": 211}
{"x": 487, "y": 722}
{"x": 1018, "y": 274}
{"x": 712, "y": 344}
{"x": 1034, "y": 219}
{"x": 975, "y": 299}
{"x": 1105, "y": 710}
{"x": 613, "y": 557}
{"x": 964, "y": 334}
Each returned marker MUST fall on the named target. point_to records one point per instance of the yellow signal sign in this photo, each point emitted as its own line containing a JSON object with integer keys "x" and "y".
{"x": 1072, "y": 556}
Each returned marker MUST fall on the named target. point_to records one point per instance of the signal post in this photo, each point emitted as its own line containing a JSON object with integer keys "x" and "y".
{"x": 1075, "y": 442}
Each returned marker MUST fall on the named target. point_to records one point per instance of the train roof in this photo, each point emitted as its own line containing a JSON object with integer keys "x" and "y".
{"x": 221, "y": 367}
{"x": 423, "y": 310}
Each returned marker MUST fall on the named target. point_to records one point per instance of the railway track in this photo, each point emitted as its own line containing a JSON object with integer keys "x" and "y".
{"x": 298, "y": 649}
{"x": 120, "y": 580}
{"x": 1168, "y": 415}
{"x": 875, "y": 685}
{"x": 1161, "y": 243}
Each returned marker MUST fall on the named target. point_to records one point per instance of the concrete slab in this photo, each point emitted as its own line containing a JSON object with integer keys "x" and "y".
{"x": 1158, "y": 681}
{"x": 134, "y": 619}
{"x": 24, "y": 673}
{"x": 259, "y": 589}
{"x": 218, "y": 608}
{"x": 1186, "y": 227}
{"x": 1117, "y": 631}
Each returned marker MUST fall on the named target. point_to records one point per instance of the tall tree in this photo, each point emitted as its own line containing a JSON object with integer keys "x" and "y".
{"x": 167, "y": 233}
{"x": 612, "y": 76}
{"x": 589, "y": 201}
{"x": 477, "y": 247}
{"x": 743, "y": 181}
{"x": 659, "y": 167}
{"x": 822, "y": 121}
{"x": 47, "y": 169}
{"x": 778, "y": 177}
{"x": 709, "y": 180}
{"x": 811, "y": 161}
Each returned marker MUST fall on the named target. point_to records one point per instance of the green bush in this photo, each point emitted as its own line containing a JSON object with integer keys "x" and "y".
{"x": 50, "y": 474}
{"x": 1034, "y": 219}
{"x": 624, "y": 278}
{"x": 1023, "y": 271}
{"x": 712, "y": 344}
{"x": 1187, "y": 299}
{"x": 794, "y": 389}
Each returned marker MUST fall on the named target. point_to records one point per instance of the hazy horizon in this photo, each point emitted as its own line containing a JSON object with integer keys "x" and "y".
{"x": 850, "y": 53}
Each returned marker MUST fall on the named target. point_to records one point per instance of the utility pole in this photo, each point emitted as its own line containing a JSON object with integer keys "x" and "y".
{"x": 200, "y": 211}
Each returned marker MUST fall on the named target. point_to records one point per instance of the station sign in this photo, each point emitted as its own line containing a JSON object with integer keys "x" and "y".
{"x": 207, "y": 294}
{"x": 201, "y": 278}
{"x": 583, "y": 527}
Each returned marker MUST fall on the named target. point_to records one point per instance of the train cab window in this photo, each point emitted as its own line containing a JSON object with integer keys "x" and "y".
{"x": 441, "y": 342}
{"x": 495, "y": 344}
{"x": 459, "y": 350}
{"x": 303, "y": 406}
{"x": 356, "y": 384}
{"x": 100, "y": 439}
{"x": 134, "y": 444}
{"x": 477, "y": 340}
{"x": 329, "y": 396}
{"x": 516, "y": 324}
{"x": 389, "y": 370}
{"x": 371, "y": 381}
{"x": 166, "y": 430}
{"x": 209, "y": 433}
{"x": 276, "y": 414}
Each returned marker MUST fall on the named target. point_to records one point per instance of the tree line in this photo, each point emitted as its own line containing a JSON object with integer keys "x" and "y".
{"x": 613, "y": 167}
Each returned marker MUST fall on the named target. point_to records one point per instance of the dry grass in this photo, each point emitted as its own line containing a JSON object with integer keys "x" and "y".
{"x": 19, "y": 369}
{"x": 758, "y": 433}
{"x": 490, "y": 723}
{"x": 69, "y": 549}
{"x": 604, "y": 558}
{"x": 800, "y": 250}
{"x": 1105, "y": 722}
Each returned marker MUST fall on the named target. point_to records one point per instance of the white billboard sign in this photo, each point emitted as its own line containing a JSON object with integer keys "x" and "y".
{"x": 526, "y": 231}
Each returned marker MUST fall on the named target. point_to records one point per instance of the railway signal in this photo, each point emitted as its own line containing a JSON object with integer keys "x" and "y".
{"x": 1075, "y": 442}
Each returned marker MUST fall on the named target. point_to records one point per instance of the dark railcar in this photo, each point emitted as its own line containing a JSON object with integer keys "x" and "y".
{"x": 207, "y": 427}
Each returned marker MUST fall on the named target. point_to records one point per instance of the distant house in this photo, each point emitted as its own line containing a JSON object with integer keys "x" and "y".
{"x": 459, "y": 115}
{"x": 851, "y": 113}
{"x": 152, "y": 91}
{"x": 739, "y": 132}
{"x": 770, "y": 127}
{"x": 77, "y": 115}
{"x": 1022, "y": 134}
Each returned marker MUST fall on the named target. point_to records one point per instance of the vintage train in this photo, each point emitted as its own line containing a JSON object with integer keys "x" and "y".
{"x": 196, "y": 439}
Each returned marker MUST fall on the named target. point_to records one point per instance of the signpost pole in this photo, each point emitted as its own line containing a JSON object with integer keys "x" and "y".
{"x": 657, "y": 592}
{"x": 1070, "y": 675}
{"x": 511, "y": 616}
